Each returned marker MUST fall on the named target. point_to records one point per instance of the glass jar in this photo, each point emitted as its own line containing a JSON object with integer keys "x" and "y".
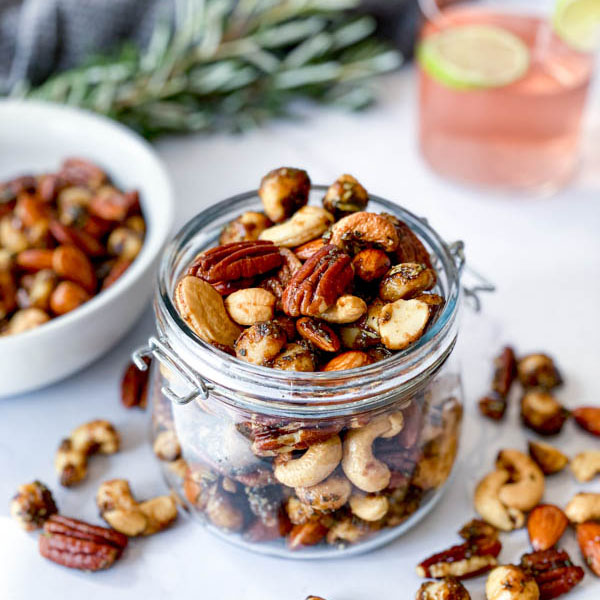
{"x": 297, "y": 464}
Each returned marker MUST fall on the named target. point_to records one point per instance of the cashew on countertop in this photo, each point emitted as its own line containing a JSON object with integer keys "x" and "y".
{"x": 517, "y": 485}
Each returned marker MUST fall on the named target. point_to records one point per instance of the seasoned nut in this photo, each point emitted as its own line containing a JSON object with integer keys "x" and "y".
{"x": 79, "y": 238}
{"x": 538, "y": 370}
{"x": 511, "y": 583}
{"x": 125, "y": 242}
{"x": 299, "y": 512}
{"x": 79, "y": 545}
{"x": 548, "y": 458}
{"x": 402, "y": 322}
{"x": 583, "y": 507}
{"x": 122, "y": 512}
{"x": 435, "y": 303}
{"x": 546, "y": 524}
{"x": 201, "y": 307}
{"x": 359, "y": 338}
{"x": 526, "y": 486}
{"x": 448, "y": 588}
{"x": 295, "y": 357}
{"x": 67, "y": 296}
{"x": 117, "y": 269}
{"x": 588, "y": 418}
{"x": 326, "y": 496}
{"x": 35, "y": 259}
{"x": 410, "y": 248}
{"x": 90, "y": 438}
{"x": 369, "y": 508}
{"x": 493, "y": 406}
{"x": 283, "y": 191}
{"x": 166, "y": 446}
{"x": 307, "y": 224}
{"x": 463, "y": 561}
{"x": 240, "y": 260}
{"x": 246, "y": 228}
{"x": 260, "y": 343}
{"x": 222, "y": 511}
{"x": 586, "y": 465}
{"x": 505, "y": 371}
{"x": 347, "y": 309}
{"x": 307, "y": 534}
{"x": 476, "y": 528}
{"x": 364, "y": 229}
{"x": 348, "y": 360}
{"x": 542, "y": 413}
{"x": 32, "y": 505}
{"x": 315, "y": 465}
{"x": 26, "y": 319}
{"x": 111, "y": 204}
{"x": 82, "y": 172}
{"x": 405, "y": 281}
{"x": 305, "y": 251}
{"x": 318, "y": 284}
{"x": 318, "y": 333}
{"x": 11, "y": 235}
{"x": 371, "y": 264}
{"x": 71, "y": 263}
{"x": 134, "y": 385}
{"x": 40, "y": 288}
{"x": 276, "y": 283}
{"x": 553, "y": 572}
{"x": 250, "y": 306}
{"x": 488, "y": 504}
{"x": 8, "y": 293}
{"x": 588, "y": 538}
{"x": 345, "y": 196}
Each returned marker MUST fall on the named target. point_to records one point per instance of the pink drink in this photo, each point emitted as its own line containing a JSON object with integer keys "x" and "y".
{"x": 523, "y": 135}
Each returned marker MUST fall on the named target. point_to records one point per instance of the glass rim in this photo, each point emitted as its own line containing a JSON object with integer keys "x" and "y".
{"x": 310, "y": 389}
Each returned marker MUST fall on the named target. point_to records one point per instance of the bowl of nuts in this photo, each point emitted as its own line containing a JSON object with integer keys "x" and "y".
{"x": 305, "y": 395}
{"x": 85, "y": 209}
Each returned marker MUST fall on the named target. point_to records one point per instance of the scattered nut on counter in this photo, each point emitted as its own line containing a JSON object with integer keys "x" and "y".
{"x": 72, "y": 456}
{"x": 64, "y": 237}
{"x": 32, "y": 505}
{"x": 448, "y": 588}
{"x": 125, "y": 514}
{"x": 509, "y": 582}
{"x": 134, "y": 385}
{"x": 546, "y": 524}
{"x": 79, "y": 545}
{"x": 553, "y": 571}
{"x": 549, "y": 459}
{"x": 324, "y": 268}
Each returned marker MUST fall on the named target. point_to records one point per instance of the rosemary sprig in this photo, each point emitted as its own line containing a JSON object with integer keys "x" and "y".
{"x": 230, "y": 64}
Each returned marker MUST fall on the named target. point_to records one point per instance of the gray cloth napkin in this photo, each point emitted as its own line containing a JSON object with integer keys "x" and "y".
{"x": 38, "y": 37}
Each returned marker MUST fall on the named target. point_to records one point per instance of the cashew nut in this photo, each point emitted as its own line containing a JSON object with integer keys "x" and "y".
{"x": 583, "y": 507}
{"x": 509, "y": 582}
{"x": 71, "y": 458}
{"x": 308, "y": 223}
{"x": 330, "y": 494}
{"x": 489, "y": 506}
{"x": 317, "y": 463}
{"x": 358, "y": 462}
{"x": 528, "y": 487}
{"x": 122, "y": 512}
{"x": 346, "y": 309}
{"x": 369, "y": 508}
{"x": 586, "y": 465}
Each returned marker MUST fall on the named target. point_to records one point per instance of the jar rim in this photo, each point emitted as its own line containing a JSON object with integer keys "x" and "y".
{"x": 255, "y": 385}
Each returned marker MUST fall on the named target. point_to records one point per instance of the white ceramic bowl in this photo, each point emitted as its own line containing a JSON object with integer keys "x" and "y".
{"x": 36, "y": 137}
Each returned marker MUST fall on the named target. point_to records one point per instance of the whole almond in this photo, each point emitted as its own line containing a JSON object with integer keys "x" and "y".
{"x": 588, "y": 418}
{"x": 250, "y": 306}
{"x": 348, "y": 360}
{"x": 588, "y": 538}
{"x": 545, "y": 525}
{"x": 71, "y": 263}
{"x": 66, "y": 297}
{"x": 35, "y": 259}
{"x": 371, "y": 264}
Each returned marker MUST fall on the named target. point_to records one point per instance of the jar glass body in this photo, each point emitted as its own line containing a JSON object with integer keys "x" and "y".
{"x": 293, "y": 464}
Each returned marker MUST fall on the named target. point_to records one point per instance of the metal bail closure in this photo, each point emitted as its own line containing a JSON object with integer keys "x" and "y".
{"x": 481, "y": 284}
{"x": 162, "y": 352}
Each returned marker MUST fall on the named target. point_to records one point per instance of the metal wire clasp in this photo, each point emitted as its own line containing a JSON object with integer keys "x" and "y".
{"x": 162, "y": 352}
{"x": 481, "y": 284}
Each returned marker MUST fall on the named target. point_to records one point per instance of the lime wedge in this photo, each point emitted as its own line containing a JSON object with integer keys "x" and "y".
{"x": 577, "y": 22}
{"x": 474, "y": 56}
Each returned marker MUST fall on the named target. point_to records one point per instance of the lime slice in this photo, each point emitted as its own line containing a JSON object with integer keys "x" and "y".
{"x": 577, "y": 22}
{"x": 474, "y": 56}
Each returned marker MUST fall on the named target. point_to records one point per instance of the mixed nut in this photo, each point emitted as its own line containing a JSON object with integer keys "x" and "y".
{"x": 311, "y": 288}
{"x": 64, "y": 237}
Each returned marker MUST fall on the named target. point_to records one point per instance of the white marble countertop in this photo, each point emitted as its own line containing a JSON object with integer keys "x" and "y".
{"x": 543, "y": 255}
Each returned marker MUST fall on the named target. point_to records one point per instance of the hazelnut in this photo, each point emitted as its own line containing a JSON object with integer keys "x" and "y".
{"x": 283, "y": 191}
{"x": 345, "y": 196}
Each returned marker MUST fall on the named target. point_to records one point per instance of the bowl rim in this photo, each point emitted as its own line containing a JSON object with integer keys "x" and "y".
{"x": 154, "y": 241}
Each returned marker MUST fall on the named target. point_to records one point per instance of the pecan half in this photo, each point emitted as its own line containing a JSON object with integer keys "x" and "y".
{"x": 319, "y": 333}
{"x": 553, "y": 571}
{"x": 134, "y": 386}
{"x": 79, "y": 545}
{"x": 463, "y": 561}
{"x": 239, "y": 260}
{"x": 505, "y": 371}
{"x": 318, "y": 283}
